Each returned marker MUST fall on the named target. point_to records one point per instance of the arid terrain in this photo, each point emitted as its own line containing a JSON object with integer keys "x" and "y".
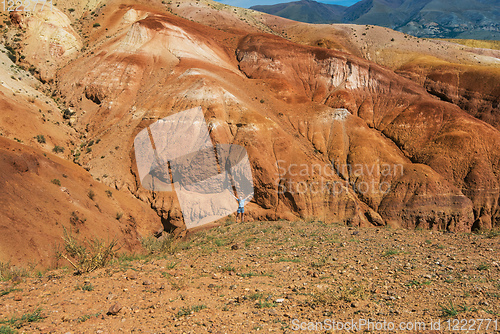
{"x": 261, "y": 276}
{"x": 374, "y": 156}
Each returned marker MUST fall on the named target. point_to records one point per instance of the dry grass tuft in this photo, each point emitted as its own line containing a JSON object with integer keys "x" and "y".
{"x": 87, "y": 256}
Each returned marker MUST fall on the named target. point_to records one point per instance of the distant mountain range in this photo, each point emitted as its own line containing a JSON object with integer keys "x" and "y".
{"x": 474, "y": 19}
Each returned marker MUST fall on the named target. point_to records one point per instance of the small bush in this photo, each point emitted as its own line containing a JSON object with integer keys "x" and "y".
{"x": 96, "y": 25}
{"x": 58, "y": 149}
{"x": 56, "y": 182}
{"x": 67, "y": 113}
{"x": 109, "y": 193}
{"x": 74, "y": 219}
{"x": 91, "y": 194}
{"x": 12, "y": 56}
{"x": 40, "y": 139}
{"x": 119, "y": 215}
{"x": 71, "y": 10}
{"x": 87, "y": 256}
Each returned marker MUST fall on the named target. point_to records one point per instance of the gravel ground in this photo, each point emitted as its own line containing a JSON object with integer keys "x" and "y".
{"x": 273, "y": 277}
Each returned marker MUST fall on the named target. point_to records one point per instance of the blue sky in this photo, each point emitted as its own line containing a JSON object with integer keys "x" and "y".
{"x": 249, "y": 3}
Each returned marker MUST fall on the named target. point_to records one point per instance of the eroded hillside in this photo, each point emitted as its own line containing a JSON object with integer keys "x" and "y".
{"x": 292, "y": 96}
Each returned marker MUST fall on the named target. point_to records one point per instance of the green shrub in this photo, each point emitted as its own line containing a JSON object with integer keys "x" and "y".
{"x": 58, "y": 149}
{"x": 40, "y": 139}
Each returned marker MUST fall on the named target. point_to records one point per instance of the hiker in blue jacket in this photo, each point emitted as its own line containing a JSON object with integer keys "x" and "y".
{"x": 241, "y": 206}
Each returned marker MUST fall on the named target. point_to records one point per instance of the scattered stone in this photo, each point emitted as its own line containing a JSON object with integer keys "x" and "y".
{"x": 147, "y": 282}
{"x": 113, "y": 310}
{"x": 235, "y": 247}
{"x": 280, "y": 300}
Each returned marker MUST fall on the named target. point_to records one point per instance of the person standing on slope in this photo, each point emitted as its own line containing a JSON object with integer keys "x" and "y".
{"x": 241, "y": 206}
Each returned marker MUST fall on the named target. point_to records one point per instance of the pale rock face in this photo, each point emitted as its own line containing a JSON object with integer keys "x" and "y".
{"x": 50, "y": 39}
{"x": 132, "y": 16}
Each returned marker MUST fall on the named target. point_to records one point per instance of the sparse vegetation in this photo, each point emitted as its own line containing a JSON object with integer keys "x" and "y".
{"x": 493, "y": 233}
{"x": 390, "y": 252}
{"x": 8, "y": 272}
{"x": 87, "y": 256}
{"x": 25, "y": 319}
{"x": 483, "y": 266}
{"x": 87, "y": 317}
{"x": 67, "y": 113}
{"x": 333, "y": 296}
{"x": 265, "y": 304}
{"x": 285, "y": 263}
{"x": 85, "y": 287}
{"x": 40, "y": 139}
{"x": 166, "y": 244}
{"x": 189, "y": 310}
{"x": 74, "y": 219}
{"x": 58, "y": 149}
{"x": 56, "y": 182}
{"x": 7, "y": 330}
{"x": 449, "y": 311}
{"x": 7, "y": 291}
